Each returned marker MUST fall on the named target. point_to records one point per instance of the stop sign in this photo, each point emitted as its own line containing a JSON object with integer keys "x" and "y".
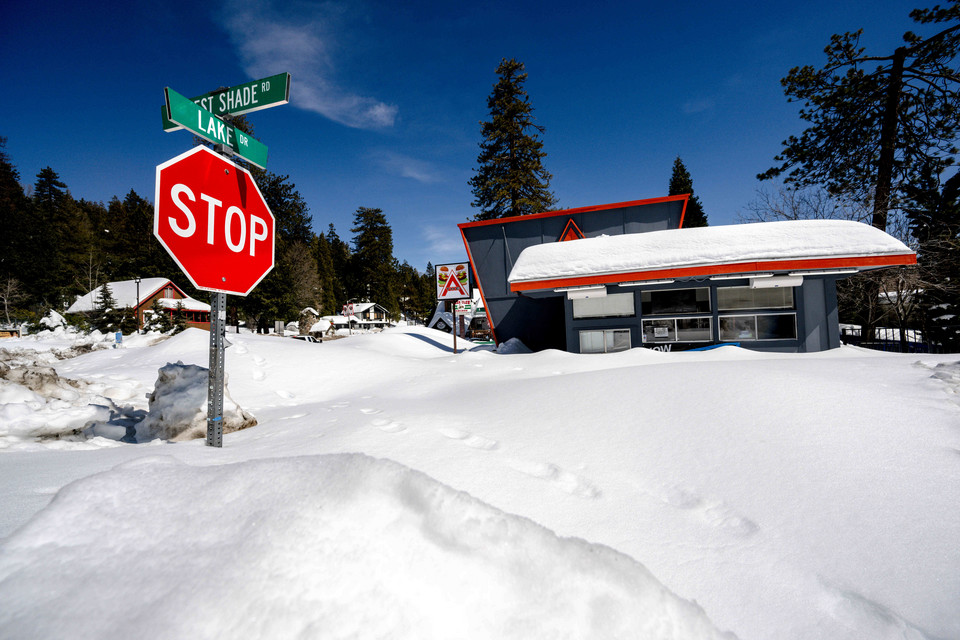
{"x": 212, "y": 219}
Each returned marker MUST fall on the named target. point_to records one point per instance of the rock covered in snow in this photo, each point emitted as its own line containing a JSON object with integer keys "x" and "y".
{"x": 178, "y": 405}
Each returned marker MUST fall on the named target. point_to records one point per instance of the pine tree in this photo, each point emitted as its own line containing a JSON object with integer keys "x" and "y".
{"x": 326, "y": 276}
{"x": 511, "y": 179}
{"x": 46, "y": 236}
{"x": 292, "y": 284}
{"x": 876, "y": 122}
{"x": 14, "y": 207}
{"x": 934, "y": 214}
{"x": 160, "y": 319}
{"x": 373, "y": 258}
{"x": 179, "y": 318}
{"x": 681, "y": 183}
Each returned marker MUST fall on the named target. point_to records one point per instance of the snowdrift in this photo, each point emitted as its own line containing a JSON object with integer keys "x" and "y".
{"x": 338, "y": 546}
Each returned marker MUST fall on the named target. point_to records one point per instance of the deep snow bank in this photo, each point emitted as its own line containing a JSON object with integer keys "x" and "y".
{"x": 334, "y": 546}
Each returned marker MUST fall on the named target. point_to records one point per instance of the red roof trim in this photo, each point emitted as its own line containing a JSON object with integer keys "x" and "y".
{"x": 169, "y": 283}
{"x": 745, "y": 268}
{"x": 567, "y": 212}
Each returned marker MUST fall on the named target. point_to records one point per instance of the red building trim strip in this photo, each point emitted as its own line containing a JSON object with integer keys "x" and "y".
{"x": 567, "y": 212}
{"x": 746, "y": 268}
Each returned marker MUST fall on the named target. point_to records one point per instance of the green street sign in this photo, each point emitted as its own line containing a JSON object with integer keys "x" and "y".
{"x": 209, "y": 127}
{"x": 243, "y": 98}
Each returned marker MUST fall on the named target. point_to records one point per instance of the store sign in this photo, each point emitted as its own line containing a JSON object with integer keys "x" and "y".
{"x": 453, "y": 281}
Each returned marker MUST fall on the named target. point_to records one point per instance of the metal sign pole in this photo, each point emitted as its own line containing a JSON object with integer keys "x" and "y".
{"x": 218, "y": 325}
{"x": 454, "y": 327}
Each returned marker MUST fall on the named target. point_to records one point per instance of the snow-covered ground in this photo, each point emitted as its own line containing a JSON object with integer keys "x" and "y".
{"x": 394, "y": 489}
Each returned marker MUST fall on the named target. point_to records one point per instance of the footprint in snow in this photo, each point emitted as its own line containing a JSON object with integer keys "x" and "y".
{"x": 713, "y": 512}
{"x": 388, "y": 426}
{"x": 569, "y": 482}
{"x": 371, "y": 412}
{"x": 294, "y": 416}
{"x": 259, "y": 375}
{"x": 241, "y": 347}
{"x": 259, "y": 360}
{"x": 286, "y": 395}
{"x": 469, "y": 439}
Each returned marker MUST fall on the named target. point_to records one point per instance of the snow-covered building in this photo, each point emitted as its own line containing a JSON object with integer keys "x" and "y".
{"x": 140, "y": 295}
{"x": 616, "y": 276}
{"x": 367, "y": 315}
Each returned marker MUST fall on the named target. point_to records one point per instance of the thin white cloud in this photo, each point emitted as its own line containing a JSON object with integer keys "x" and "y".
{"x": 297, "y": 41}
{"x": 443, "y": 240}
{"x": 698, "y": 105}
{"x": 407, "y": 167}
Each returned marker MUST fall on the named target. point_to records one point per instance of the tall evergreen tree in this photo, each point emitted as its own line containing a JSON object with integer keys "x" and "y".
{"x": 876, "y": 122}
{"x": 47, "y": 233}
{"x": 373, "y": 258}
{"x": 326, "y": 276}
{"x": 511, "y": 179}
{"x": 344, "y": 280}
{"x": 14, "y": 208}
{"x": 681, "y": 183}
{"x": 292, "y": 285}
{"x": 934, "y": 214}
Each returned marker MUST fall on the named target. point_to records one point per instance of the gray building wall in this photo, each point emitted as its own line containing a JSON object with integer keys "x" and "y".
{"x": 815, "y": 302}
{"x": 536, "y": 320}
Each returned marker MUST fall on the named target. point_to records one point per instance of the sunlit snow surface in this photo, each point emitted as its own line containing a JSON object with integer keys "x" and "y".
{"x": 394, "y": 489}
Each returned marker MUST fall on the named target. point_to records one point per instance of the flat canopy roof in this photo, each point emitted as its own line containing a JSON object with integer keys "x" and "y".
{"x": 785, "y": 246}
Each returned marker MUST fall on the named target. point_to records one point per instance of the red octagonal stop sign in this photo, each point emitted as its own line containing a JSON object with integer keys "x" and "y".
{"x": 211, "y": 217}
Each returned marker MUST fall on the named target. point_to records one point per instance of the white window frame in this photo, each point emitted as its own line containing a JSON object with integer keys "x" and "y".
{"x": 756, "y": 334}
{"x": 756, "y": 292}
{"x": 676, "y": 334}
{"x": 653, "y": 292}
{"x": 608, "y": 336}
{"x": 589, "y": 308}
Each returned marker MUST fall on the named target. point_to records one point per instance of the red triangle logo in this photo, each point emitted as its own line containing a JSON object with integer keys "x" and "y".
{"x": 571, "y": 232}
{"x": 453, "y": 285}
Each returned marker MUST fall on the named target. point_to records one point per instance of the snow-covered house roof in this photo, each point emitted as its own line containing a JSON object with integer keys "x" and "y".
{"x": 125, "y": 294}
{"x": 785, "y": 246}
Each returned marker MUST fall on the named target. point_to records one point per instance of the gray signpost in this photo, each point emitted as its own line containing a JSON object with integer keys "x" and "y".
{"x": 218, "y": 327}
{"x": 201, "y": 115}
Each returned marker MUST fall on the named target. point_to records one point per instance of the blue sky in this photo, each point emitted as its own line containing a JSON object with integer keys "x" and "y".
{"x": 386, "y": 96}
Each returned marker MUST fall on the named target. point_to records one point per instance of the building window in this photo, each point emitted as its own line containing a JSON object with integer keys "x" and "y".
{"x": 613, "y": 305}
{"x": 699, "y": 329}
{"x": 742, "y": 298}
{"x": 762, "y": 326}
{"x": 673, "y": 301}
{"x": 604, "y": 341}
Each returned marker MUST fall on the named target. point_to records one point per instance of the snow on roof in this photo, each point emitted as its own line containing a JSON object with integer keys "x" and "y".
{"x": 737, "y": 245}
{"x": 125, "y": 293}
{"x": 189, "y": 304}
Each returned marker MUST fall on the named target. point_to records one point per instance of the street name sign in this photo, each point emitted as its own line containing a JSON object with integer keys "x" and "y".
{"x": 206, "y": 125}
{"x": 243, "y": 98}
{"x": 212, "y": 219}
{"x": 209, "y": 127}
